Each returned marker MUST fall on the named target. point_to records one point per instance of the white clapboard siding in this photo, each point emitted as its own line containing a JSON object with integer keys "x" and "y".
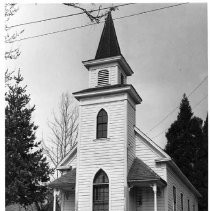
{"x": 68, "y": 204}
{"x": 148, "y": 156}
{"x": 107, "y": 154}
{"x": 131, "y": 115}
{"x": 173, "y": 180}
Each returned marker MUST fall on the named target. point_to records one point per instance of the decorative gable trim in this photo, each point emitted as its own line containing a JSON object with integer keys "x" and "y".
{"x": 72, "y": 152}
{"x": 150, "y": 143}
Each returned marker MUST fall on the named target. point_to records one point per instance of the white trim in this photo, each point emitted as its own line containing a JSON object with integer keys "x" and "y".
{"x": 120, "y": 59}
{"x": 112, "y": 91}
{"x": 154, "y": 188}
{"x": 67, "y": 156}
{"x": 78, "y": 162}
{"x": 91, "y": 185}
{"x": 126, "y": 207}
{"x": 151, "y": 143}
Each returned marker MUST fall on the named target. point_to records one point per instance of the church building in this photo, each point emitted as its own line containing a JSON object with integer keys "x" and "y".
{"x": 114, "y": 166}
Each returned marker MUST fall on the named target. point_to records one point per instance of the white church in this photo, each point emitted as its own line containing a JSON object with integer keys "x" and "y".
{"x": 115, "y": 166}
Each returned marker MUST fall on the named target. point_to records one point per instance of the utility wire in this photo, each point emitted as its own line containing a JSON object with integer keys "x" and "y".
{"x": 66, "y": 16}
{"x": 192, "y": 108}
{"x": 78, "y": 27}
{"x": 200, "y": 101}
{"x": 162, "y": 120}
{"x": 197, "y": 86}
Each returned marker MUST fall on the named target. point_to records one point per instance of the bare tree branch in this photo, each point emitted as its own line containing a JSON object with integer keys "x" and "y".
{"x": 64, "y": 128}
{"x": 89, "y": 13}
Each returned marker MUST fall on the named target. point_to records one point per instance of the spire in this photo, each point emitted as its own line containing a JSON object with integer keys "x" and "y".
{"x": 108, "y": 45}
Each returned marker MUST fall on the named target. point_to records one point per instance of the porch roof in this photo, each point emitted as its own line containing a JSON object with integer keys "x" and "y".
{"x": 140, "y": 172}
{"x": 65, "y": 181}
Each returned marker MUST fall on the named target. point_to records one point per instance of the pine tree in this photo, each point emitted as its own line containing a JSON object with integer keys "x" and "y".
{"x": 202, "y": 168}
{"x": 26, "y": 167}
{"x": 178, "y": 136}
{"x": 188, "y": 147}
{"x": 183, "y": 137}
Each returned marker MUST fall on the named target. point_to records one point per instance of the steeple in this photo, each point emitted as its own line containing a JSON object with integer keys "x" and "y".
{"x": 108, "y": 45}
{"x": 109, "y": 66}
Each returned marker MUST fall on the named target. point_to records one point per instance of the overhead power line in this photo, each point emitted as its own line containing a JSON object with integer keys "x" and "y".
{"x": 171, "y": 112}
{"x": 66, "y": 16}
{"x": 86, "y": 25}
{"x": 197, "y": 104}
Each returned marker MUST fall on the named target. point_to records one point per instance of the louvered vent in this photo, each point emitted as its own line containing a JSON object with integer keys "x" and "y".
{"x": 103, "y": 77}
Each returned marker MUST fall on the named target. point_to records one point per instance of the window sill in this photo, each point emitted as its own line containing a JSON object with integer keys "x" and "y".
{"x": 102, "y": 139}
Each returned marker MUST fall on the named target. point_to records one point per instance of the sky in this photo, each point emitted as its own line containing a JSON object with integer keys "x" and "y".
{"x": 166, "y": 49}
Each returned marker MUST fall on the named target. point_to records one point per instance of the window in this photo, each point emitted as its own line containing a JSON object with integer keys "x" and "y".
{"x": 102, "y": 120}
{"x": 138, "y": 197}
{"x": 182, "y": 204}
{"x": 174, "y": 198}
{"x": 188, "y": 205}
{"x": 121, "y": 79}
{"x": 103, "y": 77}
{"x": 101, "y": 192}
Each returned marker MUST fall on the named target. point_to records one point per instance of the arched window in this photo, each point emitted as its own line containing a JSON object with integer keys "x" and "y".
{"x": 102, "y": 120}
{"x": 103, "y": 77}
{"x": 101, "y": 192}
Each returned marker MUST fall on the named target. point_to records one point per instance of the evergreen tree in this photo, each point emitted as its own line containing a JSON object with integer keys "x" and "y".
{"x": 179, "y": 145}
{"x": 188, "y": 147}
{"x": 26, "y": 168}
{"x": 202, "y": 169}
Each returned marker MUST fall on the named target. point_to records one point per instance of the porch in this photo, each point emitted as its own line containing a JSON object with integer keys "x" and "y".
{"x": 64, "y": 187}
{"x": 146, "y": 188}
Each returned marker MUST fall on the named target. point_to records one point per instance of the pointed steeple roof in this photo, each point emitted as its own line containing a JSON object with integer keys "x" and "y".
{"x": 108, "y": 45}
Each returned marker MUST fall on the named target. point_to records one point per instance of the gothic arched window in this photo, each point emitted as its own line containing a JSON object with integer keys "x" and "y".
{"x": 101, "y": 192}
{"x": 102, "y": 120}
{"x": 103, "y": 77}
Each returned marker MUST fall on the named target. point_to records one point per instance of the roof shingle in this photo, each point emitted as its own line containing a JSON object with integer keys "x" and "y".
{"x": 139, "y": 171}
{"x": 65, "y": 181}
{"x": 108, "y": 45}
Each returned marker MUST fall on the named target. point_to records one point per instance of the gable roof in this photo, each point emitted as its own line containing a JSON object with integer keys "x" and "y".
{"x": 65, "y": 181}
{"x": 108, "y": 45}
{"x": 180, "y": 174}
{"x": 139, "y": 171}
{"x": 151, "y": 143}
{"x": 167, "y": 159}
{"x": 70, "y": 154}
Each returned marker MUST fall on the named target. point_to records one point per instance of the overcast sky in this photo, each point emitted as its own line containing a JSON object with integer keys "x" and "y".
{"x": 166, "y": 49}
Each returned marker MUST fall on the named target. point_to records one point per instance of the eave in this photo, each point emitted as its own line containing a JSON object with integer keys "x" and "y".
{"x": 119, "y": 59}
{"x": 177, "y": 170}
{"x": 61, "y": 165}
{"x": 151, "y": 143}
{"x": 109, "y": 90}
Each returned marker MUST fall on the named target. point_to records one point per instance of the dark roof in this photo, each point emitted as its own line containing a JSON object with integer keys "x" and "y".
{"x": 108, "y": 45}
{"x": 65, "y": 181}
{"x": 139, "y": 171}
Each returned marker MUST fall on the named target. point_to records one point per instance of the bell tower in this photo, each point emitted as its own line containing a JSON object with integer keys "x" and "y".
{"x": 106, "y": 145}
